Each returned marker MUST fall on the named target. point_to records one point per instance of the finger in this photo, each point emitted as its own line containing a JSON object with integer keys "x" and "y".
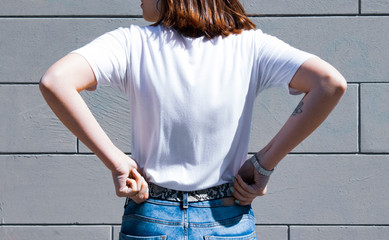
{"x": 144, "y": 190}
{"x": 142, "y": 185}
{"x": 240, "y": 189}
{"x": 244, "y": 186}
{"x": 131, "y": 184}
{"x": 129, "y": 189}
{"x": 138, "y": 178}
{"x": 125, "y": 191}
{"x": 241, "y": 194}
{"x": 143, "y": 195}
{"x": 240, "y": 199}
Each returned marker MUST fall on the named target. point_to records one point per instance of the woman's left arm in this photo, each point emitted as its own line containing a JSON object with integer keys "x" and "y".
{"x": 324, "y": 86}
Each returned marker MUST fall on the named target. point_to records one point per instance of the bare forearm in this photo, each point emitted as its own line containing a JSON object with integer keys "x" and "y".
{"x": 308, "y": 115}
{"x": 71, "y": 109}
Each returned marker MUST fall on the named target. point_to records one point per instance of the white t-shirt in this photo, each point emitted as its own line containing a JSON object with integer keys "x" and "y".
{"x": 191, "y": 99}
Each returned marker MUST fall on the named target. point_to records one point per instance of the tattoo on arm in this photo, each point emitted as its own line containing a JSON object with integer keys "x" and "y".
{"x": 298, "y": 109}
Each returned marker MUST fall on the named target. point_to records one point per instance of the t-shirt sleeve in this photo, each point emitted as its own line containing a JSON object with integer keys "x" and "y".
{"x": 277, "y": 62}
{"x": 108, "y": 57}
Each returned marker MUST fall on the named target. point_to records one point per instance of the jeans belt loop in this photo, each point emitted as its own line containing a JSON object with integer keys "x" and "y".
{"x": 185, "y": 202}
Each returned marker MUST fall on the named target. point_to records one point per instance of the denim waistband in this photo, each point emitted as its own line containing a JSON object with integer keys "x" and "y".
{"x": 161, "y": 193}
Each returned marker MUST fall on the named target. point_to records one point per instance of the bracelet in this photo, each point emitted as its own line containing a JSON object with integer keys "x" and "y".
{"x": 255, "y": 161}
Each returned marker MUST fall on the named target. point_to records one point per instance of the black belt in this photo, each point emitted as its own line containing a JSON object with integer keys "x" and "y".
{"x": 161, "y": 193}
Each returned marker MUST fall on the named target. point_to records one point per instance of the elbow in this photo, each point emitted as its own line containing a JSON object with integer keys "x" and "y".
{"x": 45, "y": 83}
{"x": 49, "y": 82}
{"x": 339, "y": 86}
{"x": 333, "y": 85}
{"x": 339, "y": 82}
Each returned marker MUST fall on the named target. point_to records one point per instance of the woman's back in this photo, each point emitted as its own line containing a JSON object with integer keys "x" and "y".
{"x": 191, "y": 98}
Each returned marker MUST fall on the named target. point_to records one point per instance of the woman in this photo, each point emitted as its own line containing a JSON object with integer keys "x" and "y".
{"x": 191, "y": 79}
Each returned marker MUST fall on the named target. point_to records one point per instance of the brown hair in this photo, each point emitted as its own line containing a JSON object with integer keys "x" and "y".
{"x": 209, "y": 18}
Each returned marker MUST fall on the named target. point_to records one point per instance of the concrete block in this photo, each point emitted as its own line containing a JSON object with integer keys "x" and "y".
{"x": 70, "y": 8}
{"x": 55, "y": 232}
{"x": 338, "y": 232}
{"x": 375, "y": 6}
{"x": 274, "y": 106}
{"x": 111, "y": 110}
{"x": 27, "y": 124}
{"x": 374, "y": 118}
{"x": 327, "y": 189}
{"x": 36, "y": 43}
{"x": 57, "y": 189}
{"x": 272, "y": 232}
{"x": 278, "y": 7}
{"x": 356, "y": 46}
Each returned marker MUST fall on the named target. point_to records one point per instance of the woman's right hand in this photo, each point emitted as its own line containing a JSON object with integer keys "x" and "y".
{"x": 129, "y": 182}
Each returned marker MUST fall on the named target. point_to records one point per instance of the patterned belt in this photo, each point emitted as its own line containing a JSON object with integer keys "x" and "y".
{"x": 161, "y": 193}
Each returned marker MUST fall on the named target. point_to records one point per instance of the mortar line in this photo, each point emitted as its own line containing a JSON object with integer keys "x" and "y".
{"x": 37, "y": 83}
{"x": 264, "y": 225}
{"x": 359, "y": 119}
{"x": 49, "y": 153}
{"x": 71, "y": 16}
{"x": 140, "y": 16}
{"x": 288, "y": 232}
{"x": 335, "y": 153}
{"x": 19, "y": 83}
{"x": 78, "y": 146}
{"x": 292, "y": 154}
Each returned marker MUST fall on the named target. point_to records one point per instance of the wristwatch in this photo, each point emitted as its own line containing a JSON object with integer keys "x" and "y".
{"x": 255, "y": 161}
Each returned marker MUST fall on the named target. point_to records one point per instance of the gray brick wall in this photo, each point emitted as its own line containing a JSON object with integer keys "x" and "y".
{"x": 335, "y": 185}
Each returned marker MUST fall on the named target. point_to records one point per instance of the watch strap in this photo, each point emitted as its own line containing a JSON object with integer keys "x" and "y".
{"x": 255, "y": 161}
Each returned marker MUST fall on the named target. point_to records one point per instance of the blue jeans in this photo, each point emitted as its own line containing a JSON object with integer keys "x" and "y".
{"x": 207, "y": 220}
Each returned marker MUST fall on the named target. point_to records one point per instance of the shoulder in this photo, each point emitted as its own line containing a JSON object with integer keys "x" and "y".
{"x": 132, "y": 36}
{"x": 135, "y": 31}
{"x": 253, "y": 33}
{"x": 249, "y": 36}
{"x": 146, "y": 31}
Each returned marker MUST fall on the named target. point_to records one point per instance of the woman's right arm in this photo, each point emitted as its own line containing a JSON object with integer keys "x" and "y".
{"x": 60, "y": 86}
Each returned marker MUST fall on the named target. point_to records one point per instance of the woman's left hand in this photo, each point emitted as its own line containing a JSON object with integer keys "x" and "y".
{"x": 249, "y": 184}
